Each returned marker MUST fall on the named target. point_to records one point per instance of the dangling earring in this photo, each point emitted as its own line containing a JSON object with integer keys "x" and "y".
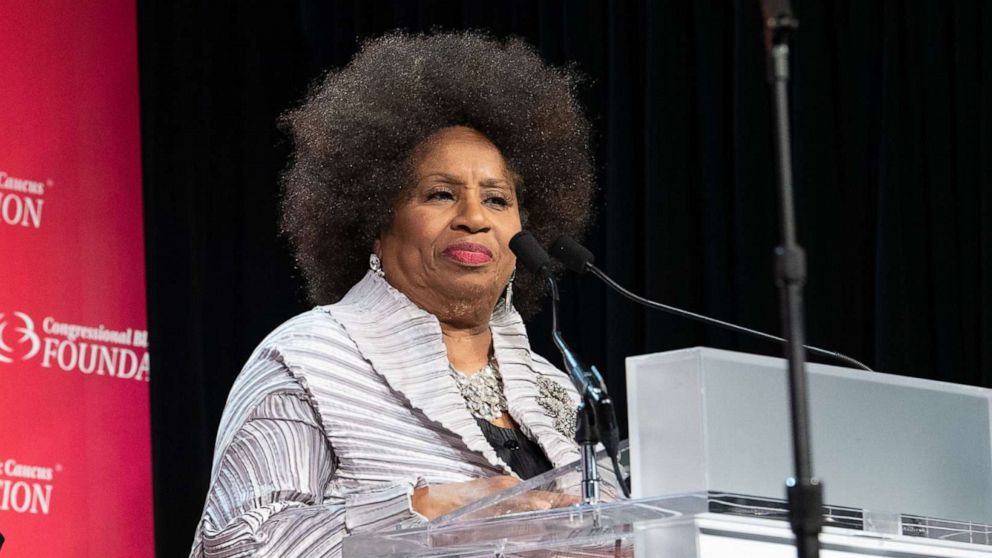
{"x": 375, "y": 264}
{"x": 508, "y": 298}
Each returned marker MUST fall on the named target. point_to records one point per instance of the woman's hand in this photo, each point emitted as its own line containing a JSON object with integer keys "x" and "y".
{"x": 435, "y": 501}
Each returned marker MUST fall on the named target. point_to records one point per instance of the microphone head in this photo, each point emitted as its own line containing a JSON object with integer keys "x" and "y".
{"x": 574, "y": 255}
{"x": 530, "y": 252}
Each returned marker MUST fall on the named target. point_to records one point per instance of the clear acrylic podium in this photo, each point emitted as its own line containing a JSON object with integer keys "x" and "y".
{"x": 491, "y": 527}
{"x": 908, "y": 472}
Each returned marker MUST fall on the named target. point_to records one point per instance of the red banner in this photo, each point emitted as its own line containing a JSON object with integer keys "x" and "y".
{"x": 75, "y": 449}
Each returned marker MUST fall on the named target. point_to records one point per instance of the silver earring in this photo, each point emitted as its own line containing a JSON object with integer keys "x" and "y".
{"x": 375, "y": 264}
{"x": 508, "y": 298}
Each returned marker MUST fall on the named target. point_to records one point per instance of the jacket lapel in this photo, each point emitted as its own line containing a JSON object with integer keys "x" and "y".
{"x": 403, "y": 343}
{"x": 520, "y": 375}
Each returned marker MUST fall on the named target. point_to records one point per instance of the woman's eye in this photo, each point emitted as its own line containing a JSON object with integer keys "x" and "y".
{"x": 440, "y": 195}
{"x": 498, "y": 200}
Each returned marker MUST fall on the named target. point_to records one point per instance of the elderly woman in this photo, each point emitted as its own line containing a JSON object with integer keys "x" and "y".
{"x": 412, "y": 389}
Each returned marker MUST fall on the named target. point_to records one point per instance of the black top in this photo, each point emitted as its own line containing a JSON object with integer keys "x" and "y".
{"x": 524, "y": 456}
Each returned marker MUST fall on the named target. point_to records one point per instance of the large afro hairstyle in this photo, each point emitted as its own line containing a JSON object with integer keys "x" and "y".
{"x": 354, "y": 132}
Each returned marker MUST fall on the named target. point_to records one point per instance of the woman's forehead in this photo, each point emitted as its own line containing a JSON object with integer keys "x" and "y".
{"x": 455, "y": 152}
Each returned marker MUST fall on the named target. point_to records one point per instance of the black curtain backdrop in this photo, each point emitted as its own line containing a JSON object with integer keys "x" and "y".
{"x": 892, "y": 141}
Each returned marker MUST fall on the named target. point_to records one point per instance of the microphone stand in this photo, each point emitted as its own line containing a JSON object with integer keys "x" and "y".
{"x": 805, "y": 493}
{"x": 587, "y": 430}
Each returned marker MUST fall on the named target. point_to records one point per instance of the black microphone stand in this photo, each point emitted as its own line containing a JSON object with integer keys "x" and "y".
{"x": 805, "y": 493}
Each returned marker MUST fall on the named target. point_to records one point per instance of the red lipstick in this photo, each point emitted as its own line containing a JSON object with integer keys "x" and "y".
{"x": 468, "y": 253}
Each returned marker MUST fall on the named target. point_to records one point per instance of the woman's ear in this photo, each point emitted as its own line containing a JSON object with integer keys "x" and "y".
{"x": 377, "y": 248}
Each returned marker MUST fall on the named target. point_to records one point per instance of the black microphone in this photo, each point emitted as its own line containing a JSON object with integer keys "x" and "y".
{"x": 579, "y": 259}
{"x": 575, "y": 256}
{"x": 530, "y": 253}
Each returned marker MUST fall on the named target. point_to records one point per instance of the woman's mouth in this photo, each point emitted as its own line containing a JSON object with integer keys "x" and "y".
{"x": 468, "y": 253}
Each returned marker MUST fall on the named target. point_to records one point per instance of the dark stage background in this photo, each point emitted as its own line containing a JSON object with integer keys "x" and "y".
{"x": 893, "y": 146}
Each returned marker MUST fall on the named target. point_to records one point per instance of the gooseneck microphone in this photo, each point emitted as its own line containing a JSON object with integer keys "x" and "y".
{"x": 596, "y": 419}
{"x": 579, "y": 259}
{"x": 532, "y": 255}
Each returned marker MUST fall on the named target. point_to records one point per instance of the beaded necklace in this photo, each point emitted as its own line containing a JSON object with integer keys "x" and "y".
{"x": 482, "y": 391}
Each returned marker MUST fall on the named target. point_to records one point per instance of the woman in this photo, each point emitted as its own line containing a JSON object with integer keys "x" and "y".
{"x": 412, "y": 390}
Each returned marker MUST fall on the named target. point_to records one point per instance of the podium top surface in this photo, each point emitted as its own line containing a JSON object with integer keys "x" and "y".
{"x": 709, "y": 354}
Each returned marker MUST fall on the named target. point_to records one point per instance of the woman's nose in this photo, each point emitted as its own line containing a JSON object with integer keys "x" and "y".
{"x": 471, "y": 215}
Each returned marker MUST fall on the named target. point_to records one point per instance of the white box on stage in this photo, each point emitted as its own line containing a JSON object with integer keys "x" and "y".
{"x": 711, "y": 421}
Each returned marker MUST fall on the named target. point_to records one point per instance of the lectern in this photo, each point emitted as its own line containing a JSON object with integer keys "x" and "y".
{"x": 907, "y": 465}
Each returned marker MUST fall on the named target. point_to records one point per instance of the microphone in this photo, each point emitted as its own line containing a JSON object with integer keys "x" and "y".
{"x": 596, "y": 419}
{"x": 530, "y": 253}
{"x": 575, "y": 256}
{"x": 579, "y": 259}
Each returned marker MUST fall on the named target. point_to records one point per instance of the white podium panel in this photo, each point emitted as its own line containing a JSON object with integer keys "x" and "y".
{"x": 720, "y": 536}
{"x": 705, "y": 420}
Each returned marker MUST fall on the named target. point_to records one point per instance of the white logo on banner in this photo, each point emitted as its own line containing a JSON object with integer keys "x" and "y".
{"x": 21, "y": 201}
{"x": 26, "y": 488}
{"x": 121, "y": 354}
{"x": 27, "y": 337}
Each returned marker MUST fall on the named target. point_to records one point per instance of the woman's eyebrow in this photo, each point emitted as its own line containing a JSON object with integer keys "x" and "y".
{"x": 455, "y": 180}
{"x": 444, "y": 177}
{"x": 495, "y": 182}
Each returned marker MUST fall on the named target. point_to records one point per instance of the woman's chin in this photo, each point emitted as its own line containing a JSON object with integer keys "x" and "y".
{"x": 470, "y": 285}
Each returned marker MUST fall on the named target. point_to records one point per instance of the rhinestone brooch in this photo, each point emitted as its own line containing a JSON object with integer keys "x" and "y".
{"x": 558, "y": 405}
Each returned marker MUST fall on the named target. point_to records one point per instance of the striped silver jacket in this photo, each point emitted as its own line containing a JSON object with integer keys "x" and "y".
{"x": 343, "y": 410}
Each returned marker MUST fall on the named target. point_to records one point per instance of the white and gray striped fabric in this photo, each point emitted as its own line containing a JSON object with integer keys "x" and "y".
{"x": 342, "y": 411}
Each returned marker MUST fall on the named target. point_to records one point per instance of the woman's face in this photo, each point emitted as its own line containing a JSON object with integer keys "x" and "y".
{"x": 447, "y": 247}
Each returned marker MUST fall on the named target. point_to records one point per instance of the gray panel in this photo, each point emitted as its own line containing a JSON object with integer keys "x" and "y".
{"x": 881, "y": 442}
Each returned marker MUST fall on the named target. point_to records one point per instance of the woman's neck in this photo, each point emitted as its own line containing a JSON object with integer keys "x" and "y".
{"x": 468, "y": 346}
{"x": 464, "y": 323}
